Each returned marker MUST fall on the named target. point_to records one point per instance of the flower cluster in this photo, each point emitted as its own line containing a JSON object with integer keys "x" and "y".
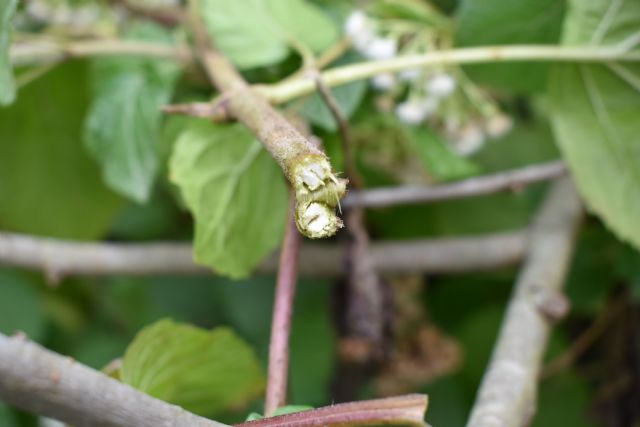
{"x": 441, "y": 96}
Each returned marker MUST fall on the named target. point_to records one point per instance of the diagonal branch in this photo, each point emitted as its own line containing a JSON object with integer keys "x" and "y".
{"x": 40, "y": 381}
{"x": 307, "y": 168}
{"x": 508, "y": 391}
{"x": 59, "y": 258}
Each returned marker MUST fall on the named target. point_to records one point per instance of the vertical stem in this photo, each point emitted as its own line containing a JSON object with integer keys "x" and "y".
{"x": 282, "y": 312}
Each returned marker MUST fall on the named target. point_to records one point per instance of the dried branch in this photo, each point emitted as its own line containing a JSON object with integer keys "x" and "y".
{"x": 59, "y": 258}
{"x": 307, "y": 168}
{"x": 37, "y": 380}
{"x": 506, "y": 397}
{"x": 509, "y": 180}
{"x": 278, "y": 375}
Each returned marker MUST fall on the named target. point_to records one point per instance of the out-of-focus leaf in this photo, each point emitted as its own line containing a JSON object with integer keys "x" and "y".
{"x": 202, "y": 371}
{"x": 409, "y": 10}
{"x": 593, "y": 269}
{"x": 123, "y": 125}
{"x": 313, "y": 343}
{"x": 564, "y": 400}
{"x": 438, "y": 158}
{"x": 595, "y": 114}
{"x": 254, "y": 33}
{"x": 236, "y": 193}
{"x": 528, "y": 143}
{"x": 98, "y": 347}
{"x": 450, "y": 407}
{"x": 20, "y": 308}
{"x": 7, "y": 86}
{"x": 6, "y": 417}
{"x": 48, "y": 184}
{"x": 499, "y": 22}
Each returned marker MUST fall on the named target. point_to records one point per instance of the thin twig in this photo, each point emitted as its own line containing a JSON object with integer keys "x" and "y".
{"x": 38, "y": 380}
{"x": 343, "y": 127}
{"x": 278, "y": 375}
{"x": 307, "y": 168}
{"x": 510, "y": 180}
{"x": 58, "y": 258}
{"x": 507, "y": 395}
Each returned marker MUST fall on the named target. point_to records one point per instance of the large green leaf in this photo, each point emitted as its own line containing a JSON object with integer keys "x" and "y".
{"x": 123, "y": 125}
{"x": 498, "y": 22}
{"x": 203, "y": 371}
{"x": 48, "y": 184}
{"x": 254, "y": 33}
{"x": 236, "y": 193}
{"x": 7, "y": 86}
{"x": 595, "y": 114}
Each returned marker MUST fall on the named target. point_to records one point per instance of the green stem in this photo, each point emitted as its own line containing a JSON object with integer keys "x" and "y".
{"x": 291, "y": 89}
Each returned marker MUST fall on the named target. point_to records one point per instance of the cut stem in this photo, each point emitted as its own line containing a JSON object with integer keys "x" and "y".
{"x": 307, "y": 168}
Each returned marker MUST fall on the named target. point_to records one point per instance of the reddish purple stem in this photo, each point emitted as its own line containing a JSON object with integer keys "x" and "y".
{"x": 281, "y": 321}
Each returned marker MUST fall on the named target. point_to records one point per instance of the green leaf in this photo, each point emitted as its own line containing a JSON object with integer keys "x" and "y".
{"x": 48, "y": 184}
{"x": 595, "y": 114}
{"x": 255, "y": 33}
{"x": 438, "y": 158}
{"x": 7, "y": 86}
{"x": 6, "y": 415}
{"x": 236, "y": 193}
{"x": 302, "y": 21}
{"x": 123, "y": 125}
{"x": 202, "y": 371}
{"x": 499, "y": 22}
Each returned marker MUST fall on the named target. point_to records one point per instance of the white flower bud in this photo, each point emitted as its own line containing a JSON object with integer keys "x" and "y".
{"x": 384, "y": 81}
{"x": 499, "y": 125}
{"x": 356, "y": 22}
{"x": 441, "y": 85}
{"x": 412, "y": 112}
{"x": 469, "y": 140}
{"x": 381, "y": 48}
